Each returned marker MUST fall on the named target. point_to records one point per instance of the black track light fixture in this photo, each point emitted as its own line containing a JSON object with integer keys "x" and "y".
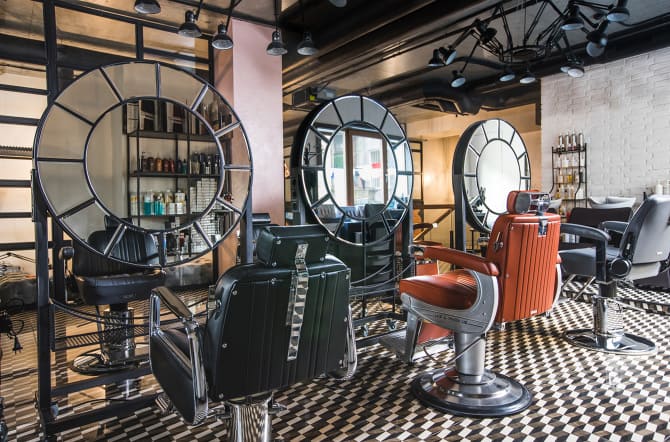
{"x": 189, "y": 28}
{"x": 448, "y": 55}
{"x": 458, "y": 79}
{"x": 527, "y": 78}
{"x": 507, "y": 75}
{"x": 573, "y": 21}
{"x": 147, "y": 6}
{"x": 306, "y": 46}
{"x": 221, "y": 39}
{"x": 276, "y": 46}
{"x": 597, "y": 40}
{"x": 619, "y": 13}
{"x": 339, "y": 3}
{"x": 436, "y": 60}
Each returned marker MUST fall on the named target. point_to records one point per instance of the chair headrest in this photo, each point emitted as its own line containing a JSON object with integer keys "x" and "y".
{"x": 276, "y": 246}
{"x": 520, "y": 201}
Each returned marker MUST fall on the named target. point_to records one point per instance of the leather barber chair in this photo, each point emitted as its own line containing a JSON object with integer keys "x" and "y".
{"x": 279, "y": 321}
{"x": 642, "y": 253}
{"x": 518, "y": 278}
{"x": 101, "y": 281}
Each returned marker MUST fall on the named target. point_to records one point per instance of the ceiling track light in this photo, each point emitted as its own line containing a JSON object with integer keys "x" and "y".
{"x": 306, "y": 46}
{"x": 573, "y": 21}
{"x": 458, "y": 79}
{"x": 436, "y": 60}
{"x": 527, "y": 78}
{"x": 147, "y": 6}
{"x": 597, "y": 40}
{"x": 619, "y": 13}
{"x": 339, "y": 3}
{"x": 276, "y": 46}
{"x": 222, "y": 40}
{"x": 448, "y": 55}
{"x": 507, "y": 75}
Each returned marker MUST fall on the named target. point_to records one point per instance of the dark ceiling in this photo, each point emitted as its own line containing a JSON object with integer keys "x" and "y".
{"x": 381, "y": 48}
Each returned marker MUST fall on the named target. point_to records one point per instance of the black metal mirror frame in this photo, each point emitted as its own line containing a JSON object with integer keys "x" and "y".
{"x": 123, "y": 224}
{"x": 311, "y": 123}
{"x": 459, "y": 172}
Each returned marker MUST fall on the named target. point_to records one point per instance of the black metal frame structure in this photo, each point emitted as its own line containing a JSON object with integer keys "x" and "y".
{"x": 46, "y": 407}
{"x": 465, "y": 213}
{"x": 400, "y": 233}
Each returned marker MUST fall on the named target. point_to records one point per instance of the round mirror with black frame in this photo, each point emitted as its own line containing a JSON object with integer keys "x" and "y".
{"x": 354, "y": 167}
{"x": 143, "y": 147}
{"x": 490, "y": 161}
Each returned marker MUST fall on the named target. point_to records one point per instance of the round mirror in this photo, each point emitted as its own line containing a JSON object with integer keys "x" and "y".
{"x": 142, "y": 147}
{"x": 355, "y": 169}
{"x": 490, "y": 161}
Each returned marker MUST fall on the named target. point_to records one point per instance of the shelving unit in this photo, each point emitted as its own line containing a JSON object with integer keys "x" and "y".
{"x": 175, "y": 146}
{"x": 569, "y": 176}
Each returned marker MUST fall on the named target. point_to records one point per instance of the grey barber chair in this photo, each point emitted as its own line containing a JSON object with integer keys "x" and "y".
{"x": 273, "y": 323}
{"x": 642, "y": 253}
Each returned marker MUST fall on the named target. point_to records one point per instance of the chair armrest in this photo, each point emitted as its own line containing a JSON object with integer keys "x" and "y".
{"x": 614, "y": 226}
{"x": 585, "y": 231}
{"x": 66, "y": 253}
{"x": 173, "y": 303}
{"x": 461, "y": 259}
{"x": 601, "y": 237}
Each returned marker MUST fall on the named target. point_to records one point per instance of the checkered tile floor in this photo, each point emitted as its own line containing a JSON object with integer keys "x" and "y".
{"x": 578, "y": 394}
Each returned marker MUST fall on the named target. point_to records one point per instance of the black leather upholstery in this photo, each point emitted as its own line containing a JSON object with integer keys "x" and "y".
{"x": 103, "y": 281}
{"x": 587, "y": 216}
{"x": 645, "y": 243}
{"x": 276, "y": 246}
{"x": 251, "y": 321}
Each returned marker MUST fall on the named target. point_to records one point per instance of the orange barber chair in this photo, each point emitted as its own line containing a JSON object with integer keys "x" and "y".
{"x": 518, "y": 278}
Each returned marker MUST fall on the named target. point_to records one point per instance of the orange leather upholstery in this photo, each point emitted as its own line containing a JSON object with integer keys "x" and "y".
{"x": 456, "y": 290}
{"x": 461, "y": 259}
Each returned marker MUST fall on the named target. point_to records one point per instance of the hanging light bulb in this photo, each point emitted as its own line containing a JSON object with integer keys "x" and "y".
{"x": 189, "y": 28}
{"x": 458, "y": 80}
{"x": 147, "y": 6}
{"x": 619, "y": 13}
{"x": 527, "y": 78}
{"x": 306, "y": 46}
{"x": 573, "y": 21}
{"x": 276, "y": 46}
{"x": 507, "y": 75}
{"x": 222, "y": 40}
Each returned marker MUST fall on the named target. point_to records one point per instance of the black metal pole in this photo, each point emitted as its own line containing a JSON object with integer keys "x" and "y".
{"x": 43, "y": 307}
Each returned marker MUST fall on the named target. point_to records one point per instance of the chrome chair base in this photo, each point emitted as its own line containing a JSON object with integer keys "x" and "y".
{"x": 95, "y": 363}
{"x": 250, "y": 419}
{"x": 495, "y": 395}
{"x": 618, "y": 343}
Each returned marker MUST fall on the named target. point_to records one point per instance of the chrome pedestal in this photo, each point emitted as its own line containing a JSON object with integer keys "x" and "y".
{"x": 250, "y": 419}
{"x": 117, "y": 347}
{"x": 468, "y": 389}
{"x": 607, "y": 334}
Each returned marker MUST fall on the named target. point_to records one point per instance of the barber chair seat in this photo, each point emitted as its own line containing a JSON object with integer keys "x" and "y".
{"x": 273, "y": 323}
{"x": 642, "y": 253}
{"x": 101, "y": 281}
{"x": 518, "y": 278}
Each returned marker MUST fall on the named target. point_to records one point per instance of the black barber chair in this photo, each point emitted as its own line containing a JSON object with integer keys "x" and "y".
{"x": 273, "y": 323}
{"x": 101, "y": 281}
{"x": 642, "y": 253}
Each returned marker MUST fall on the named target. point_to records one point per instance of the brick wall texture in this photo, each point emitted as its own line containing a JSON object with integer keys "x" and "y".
{"x": 623, "y": 109}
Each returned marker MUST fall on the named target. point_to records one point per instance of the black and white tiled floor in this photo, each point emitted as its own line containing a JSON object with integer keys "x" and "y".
{"x": 578, "y": 395}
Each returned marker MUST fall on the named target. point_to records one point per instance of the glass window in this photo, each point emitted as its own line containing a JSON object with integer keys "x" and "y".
{"x": 86, "y": 31}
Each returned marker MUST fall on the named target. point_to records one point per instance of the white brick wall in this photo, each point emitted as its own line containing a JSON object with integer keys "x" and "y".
{"x": 623, "y": 109}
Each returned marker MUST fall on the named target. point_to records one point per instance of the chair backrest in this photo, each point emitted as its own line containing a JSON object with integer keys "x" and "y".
{"x": 134, "y": 246}
{"x": 524, "y": 246}
{"x": 280, "y": 320}
{"x": 646, "y": 241}
{"x": 588, "y": 216}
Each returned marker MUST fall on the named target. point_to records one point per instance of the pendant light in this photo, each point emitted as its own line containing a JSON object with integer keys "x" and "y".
{"x": 222, "y": 40}
{"x": 147, "y": 6}
{"x": 306, "y": 45}
{"x": 276, "y": 46}
{"x": 189, "y": 28}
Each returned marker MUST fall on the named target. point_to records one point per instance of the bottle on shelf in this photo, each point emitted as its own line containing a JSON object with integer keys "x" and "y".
{"x": 148, "y": 204}
{"x": 151, "y": 164}
{"x": 166, "y": 165}
{"x": 133, "y": 204}
{"x": 144, "y": 165}
{"x": 580, "y": 142}
{"x": 158, "y": 165}
{"x": 159, "y": 204}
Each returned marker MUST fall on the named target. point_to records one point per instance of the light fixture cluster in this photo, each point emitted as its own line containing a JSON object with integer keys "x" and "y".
{"x": 518, "y": 58}
{"x": 190, "y": 28}
{"x": 306, "y": 46}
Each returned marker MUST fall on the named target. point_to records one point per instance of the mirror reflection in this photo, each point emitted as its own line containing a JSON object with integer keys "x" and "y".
{"x": 495, "y": 162}
{"x": 357, "y": 177}
{"x": 175, "y": 168}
